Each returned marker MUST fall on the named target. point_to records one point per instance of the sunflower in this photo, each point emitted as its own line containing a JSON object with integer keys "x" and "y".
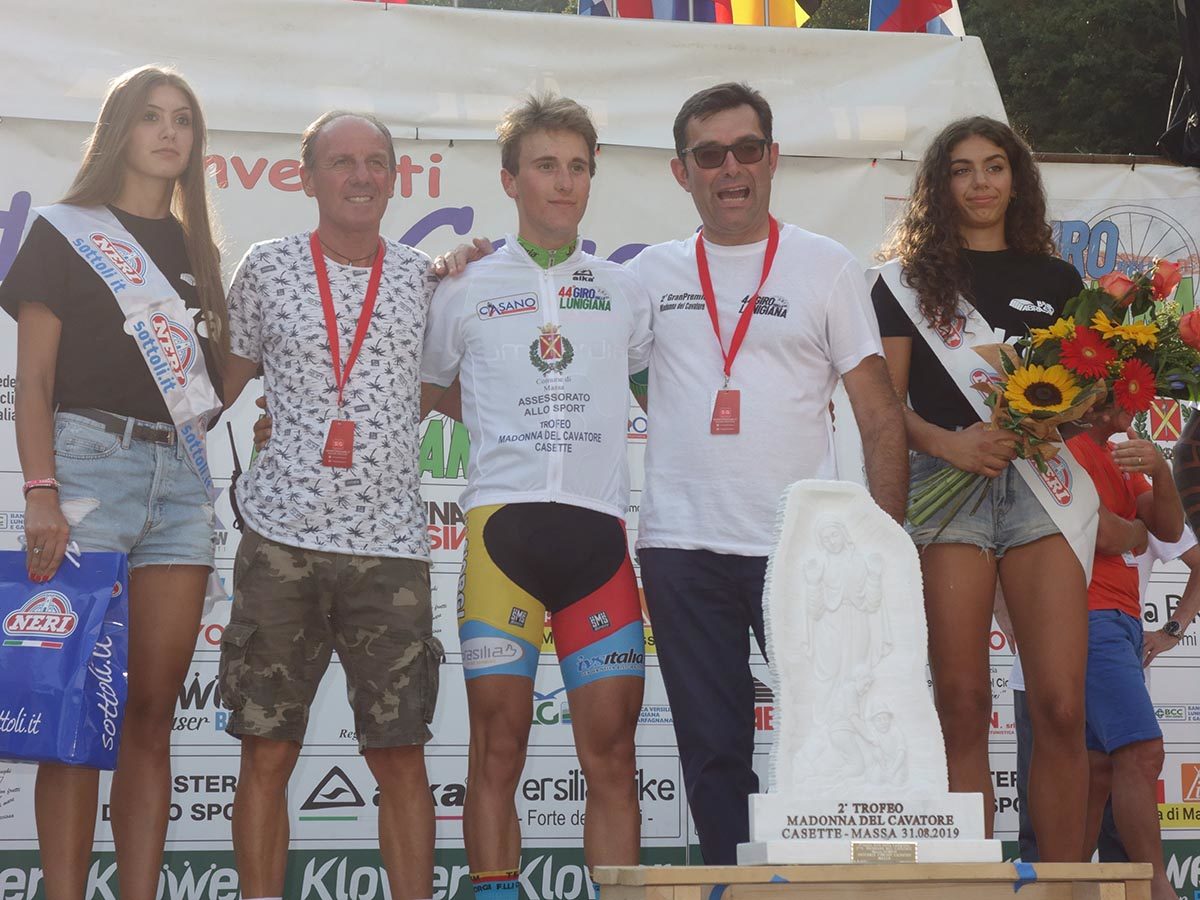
{"x": 1144, "y": 335}
{"x": 1134, "y": 390}
{"x": 1060, "y": 330}
{"x": 1086, "y": 354}
{"x": 1049, "y": 389}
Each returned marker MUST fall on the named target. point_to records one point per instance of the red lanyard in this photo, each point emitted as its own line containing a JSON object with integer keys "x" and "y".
{"x": 340, "y": 375}
{"x": 710, "y": 300}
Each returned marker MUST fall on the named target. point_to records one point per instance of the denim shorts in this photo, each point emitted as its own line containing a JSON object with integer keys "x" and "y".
{"x": 1119, "y": 709}
{"x": 131, "y": 496}
{"x": 1008, "y": 516}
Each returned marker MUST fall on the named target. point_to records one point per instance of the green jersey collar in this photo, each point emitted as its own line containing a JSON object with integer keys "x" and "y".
{"x": 547, "y": 258}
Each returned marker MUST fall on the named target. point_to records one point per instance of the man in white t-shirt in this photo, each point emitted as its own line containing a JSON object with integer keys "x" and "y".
{"x": 335, "y": 554}
{"x": 755, "y": 322}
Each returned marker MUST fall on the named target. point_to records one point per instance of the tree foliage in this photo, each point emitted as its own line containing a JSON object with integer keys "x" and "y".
{"x": 1076, "y": 76}
{"x": 1081, "y": 76}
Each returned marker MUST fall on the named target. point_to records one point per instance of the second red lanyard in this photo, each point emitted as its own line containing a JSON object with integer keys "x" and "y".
{"x": 342, "y": 375}
{"x": 710, "y": 300}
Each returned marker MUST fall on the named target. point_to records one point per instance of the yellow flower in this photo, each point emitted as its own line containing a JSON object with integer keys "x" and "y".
{"x": 1063, "y": 329}
{"x": 1145, "y": 335}
{"x": 1049, "y": 389}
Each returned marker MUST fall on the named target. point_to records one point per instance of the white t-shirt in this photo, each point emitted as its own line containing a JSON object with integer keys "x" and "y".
{"x": 1156, "y": 552}
{"x": 374, "y": 507}
{"x": 544, "y": 357}
{"x": 813, "y": 322}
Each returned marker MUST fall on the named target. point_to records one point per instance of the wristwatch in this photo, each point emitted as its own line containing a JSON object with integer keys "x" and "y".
{"x": 1172, "y": 629}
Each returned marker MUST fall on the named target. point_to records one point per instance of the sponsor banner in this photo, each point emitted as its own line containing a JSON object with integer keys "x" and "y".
{"x": 1004, "y": 785}
{"x": 443, "y": 192}
{"x": 1162, "y": 599}
{"x": 334, "y": 798}
{"x": 547, "y": 873}
{"x": 552, "y": 712}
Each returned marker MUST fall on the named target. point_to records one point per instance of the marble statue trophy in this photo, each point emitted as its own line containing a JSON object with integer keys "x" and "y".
{"x": 858, "y": 769}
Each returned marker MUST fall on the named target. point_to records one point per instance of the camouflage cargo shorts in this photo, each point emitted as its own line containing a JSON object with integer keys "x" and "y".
{"x": 292, "y": 607}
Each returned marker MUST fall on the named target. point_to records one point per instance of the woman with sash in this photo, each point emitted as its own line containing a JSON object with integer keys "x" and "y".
{"x": 114, "y": 391}
{"x": 973, "y": 254}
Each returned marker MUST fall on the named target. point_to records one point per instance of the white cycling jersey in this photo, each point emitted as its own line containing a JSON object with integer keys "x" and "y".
{"x": 544, "y": 357}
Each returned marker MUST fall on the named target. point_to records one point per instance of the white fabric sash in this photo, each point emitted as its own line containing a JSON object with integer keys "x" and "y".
{"x": 1065, "y": 490}
{"x": 159, "y": 323}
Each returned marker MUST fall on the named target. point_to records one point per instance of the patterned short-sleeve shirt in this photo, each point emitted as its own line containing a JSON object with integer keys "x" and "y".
{"x": 372, "y": 508}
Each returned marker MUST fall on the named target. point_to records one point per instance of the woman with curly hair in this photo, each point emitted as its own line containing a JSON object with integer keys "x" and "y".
{"x": 974, "y": 240}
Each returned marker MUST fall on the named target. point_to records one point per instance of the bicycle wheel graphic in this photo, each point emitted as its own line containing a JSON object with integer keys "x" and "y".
{"x": 1146, "y": 234}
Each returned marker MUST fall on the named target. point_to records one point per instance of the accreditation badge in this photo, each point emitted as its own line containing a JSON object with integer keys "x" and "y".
{"x": 339, "y": 444}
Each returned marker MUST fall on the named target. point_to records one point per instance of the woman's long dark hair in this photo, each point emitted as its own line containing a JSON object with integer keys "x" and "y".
{"x": 102, "y": 173}
{"x": 927, "y": 239}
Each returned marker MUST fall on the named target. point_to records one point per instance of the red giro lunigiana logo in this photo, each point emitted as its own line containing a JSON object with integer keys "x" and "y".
{"x": 126, "y": 258}
{"x": 46, "y": 615}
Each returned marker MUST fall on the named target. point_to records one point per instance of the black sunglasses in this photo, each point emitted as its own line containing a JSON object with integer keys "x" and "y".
{"x": 712, "y": 156}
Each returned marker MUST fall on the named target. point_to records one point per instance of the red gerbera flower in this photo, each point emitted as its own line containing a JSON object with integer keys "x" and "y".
{"x": 1134, "y": 390}
{"x": 1087, "y": 353}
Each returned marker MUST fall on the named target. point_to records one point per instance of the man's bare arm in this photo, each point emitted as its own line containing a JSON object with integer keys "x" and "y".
{"x": 238, "y": 372}
{"x": 880, "y": 419}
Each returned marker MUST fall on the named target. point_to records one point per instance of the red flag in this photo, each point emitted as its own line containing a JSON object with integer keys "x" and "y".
{"x": 635, "y": 9}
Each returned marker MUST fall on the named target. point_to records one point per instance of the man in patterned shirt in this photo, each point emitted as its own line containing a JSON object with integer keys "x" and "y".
{"x": 335, "y": 554}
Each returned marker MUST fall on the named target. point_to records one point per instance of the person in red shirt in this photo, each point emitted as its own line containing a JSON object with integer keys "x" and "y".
{"x": 1125, "y": 745}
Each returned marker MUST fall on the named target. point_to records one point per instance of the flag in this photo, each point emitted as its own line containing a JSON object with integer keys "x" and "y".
{"x": 805, "y": 10}
{"x": 748, "y": 12}
{"x": 594, "y": 8}
{"x": 718, "y": 11}
{"x": 635, "y": 9}
{"x": 950, "y": 22}
{"x": 677, "y": 10}
{"x": 906, "y": 15}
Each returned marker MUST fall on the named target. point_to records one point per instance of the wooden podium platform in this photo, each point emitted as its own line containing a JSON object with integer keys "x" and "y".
{"x": 883, "y": 881}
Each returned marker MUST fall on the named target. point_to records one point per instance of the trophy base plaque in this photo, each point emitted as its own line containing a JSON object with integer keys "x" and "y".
{"x": 776, "y": 853}
{"x": 879, "y": 827}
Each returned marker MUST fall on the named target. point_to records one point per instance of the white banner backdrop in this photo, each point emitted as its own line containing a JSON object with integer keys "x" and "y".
{"x": 264, "y": 83}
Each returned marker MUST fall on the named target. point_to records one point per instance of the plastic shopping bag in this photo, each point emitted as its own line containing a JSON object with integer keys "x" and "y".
{"x": 63, "y": 671}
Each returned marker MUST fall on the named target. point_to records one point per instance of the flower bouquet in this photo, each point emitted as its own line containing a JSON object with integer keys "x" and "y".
{"x": 1121, "y": 340}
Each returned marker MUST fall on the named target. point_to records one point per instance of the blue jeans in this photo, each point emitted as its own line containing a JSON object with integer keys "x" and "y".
{"x": 131, "y": 496}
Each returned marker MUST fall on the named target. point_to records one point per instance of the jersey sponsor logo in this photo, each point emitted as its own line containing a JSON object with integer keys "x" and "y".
{"x": 512, "y": 305}
{"x": 1057, "y": 479}
{"x": 616, "y": 660}
{"x": 517, "y": 617}
{"x": 767, "y": 306}
{"x": 462, "y": 581}
{"x": 577, "y": 297}
{"x": 599, "y": 621}
{"x": 44, "y": 621}
{"x": 550, "y": 350}
{"x": 126, "y": 258}
{"x": 1037, "y": 306}
{"x": 583, "y": 275}
{"x": 488, "y": 652}
{"x": 952, "y": 334}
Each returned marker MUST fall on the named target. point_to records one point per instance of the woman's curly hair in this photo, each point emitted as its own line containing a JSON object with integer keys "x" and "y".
{"x": 927, "y": 238}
